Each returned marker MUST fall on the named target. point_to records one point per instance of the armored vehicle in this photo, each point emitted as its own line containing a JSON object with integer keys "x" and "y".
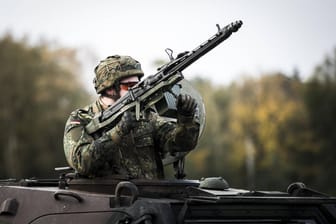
{"x": 71, "y": 199}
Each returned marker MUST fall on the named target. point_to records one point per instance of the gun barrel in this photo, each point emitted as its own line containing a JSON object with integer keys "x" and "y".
{"x": 208, "y": 45}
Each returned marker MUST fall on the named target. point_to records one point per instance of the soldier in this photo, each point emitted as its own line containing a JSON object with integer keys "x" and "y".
{"x": 133, "y": 148}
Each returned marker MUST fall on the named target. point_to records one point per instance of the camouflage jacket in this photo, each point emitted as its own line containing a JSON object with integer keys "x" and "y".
{"x": 138, "y": 154}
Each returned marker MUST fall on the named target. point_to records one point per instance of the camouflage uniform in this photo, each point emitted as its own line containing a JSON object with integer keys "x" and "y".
{"x": 138, "y": 154}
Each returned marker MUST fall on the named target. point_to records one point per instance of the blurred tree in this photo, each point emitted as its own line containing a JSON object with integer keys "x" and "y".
{"x": 268, "y": 132}
{"x": 40, "y": 87}
{"x": 198, "y": 165}
{"x": 267, "y": 125}
{"x": 210, "y": 156}
{"x": 320, "y": 100}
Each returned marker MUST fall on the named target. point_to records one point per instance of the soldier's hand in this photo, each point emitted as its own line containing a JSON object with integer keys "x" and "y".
{"x": 186, "y": 105}
{"x": 127, "y": 122}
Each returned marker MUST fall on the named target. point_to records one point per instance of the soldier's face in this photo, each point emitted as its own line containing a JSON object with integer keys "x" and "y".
{"x": 127, "y": 83}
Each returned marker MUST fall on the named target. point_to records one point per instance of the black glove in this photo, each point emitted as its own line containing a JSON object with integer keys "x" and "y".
{"x": 127, "y": 122}
{"x": 186, "y": 105}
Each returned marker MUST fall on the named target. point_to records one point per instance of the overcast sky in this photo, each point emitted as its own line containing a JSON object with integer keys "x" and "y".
{"x": 276, "y": 35}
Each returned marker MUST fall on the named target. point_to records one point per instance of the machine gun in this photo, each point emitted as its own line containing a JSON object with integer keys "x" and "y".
{"x": 151, "y": 90}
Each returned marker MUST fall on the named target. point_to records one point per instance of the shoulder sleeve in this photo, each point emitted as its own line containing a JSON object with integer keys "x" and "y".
{"x": 77, "y": 143}
{"x": 84, "y": 153}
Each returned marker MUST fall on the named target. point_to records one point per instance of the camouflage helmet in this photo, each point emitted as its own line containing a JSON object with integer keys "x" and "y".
{"x": 113, "y": 68}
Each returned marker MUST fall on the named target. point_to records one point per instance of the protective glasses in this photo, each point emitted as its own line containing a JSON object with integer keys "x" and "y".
{"x": 127, "y": 85}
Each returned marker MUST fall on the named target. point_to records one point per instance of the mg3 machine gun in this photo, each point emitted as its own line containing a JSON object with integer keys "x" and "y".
{"x": 72, "y": 199}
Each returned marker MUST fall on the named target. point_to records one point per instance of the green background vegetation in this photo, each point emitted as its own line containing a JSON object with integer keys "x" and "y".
{"x": 263, "y": 133}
